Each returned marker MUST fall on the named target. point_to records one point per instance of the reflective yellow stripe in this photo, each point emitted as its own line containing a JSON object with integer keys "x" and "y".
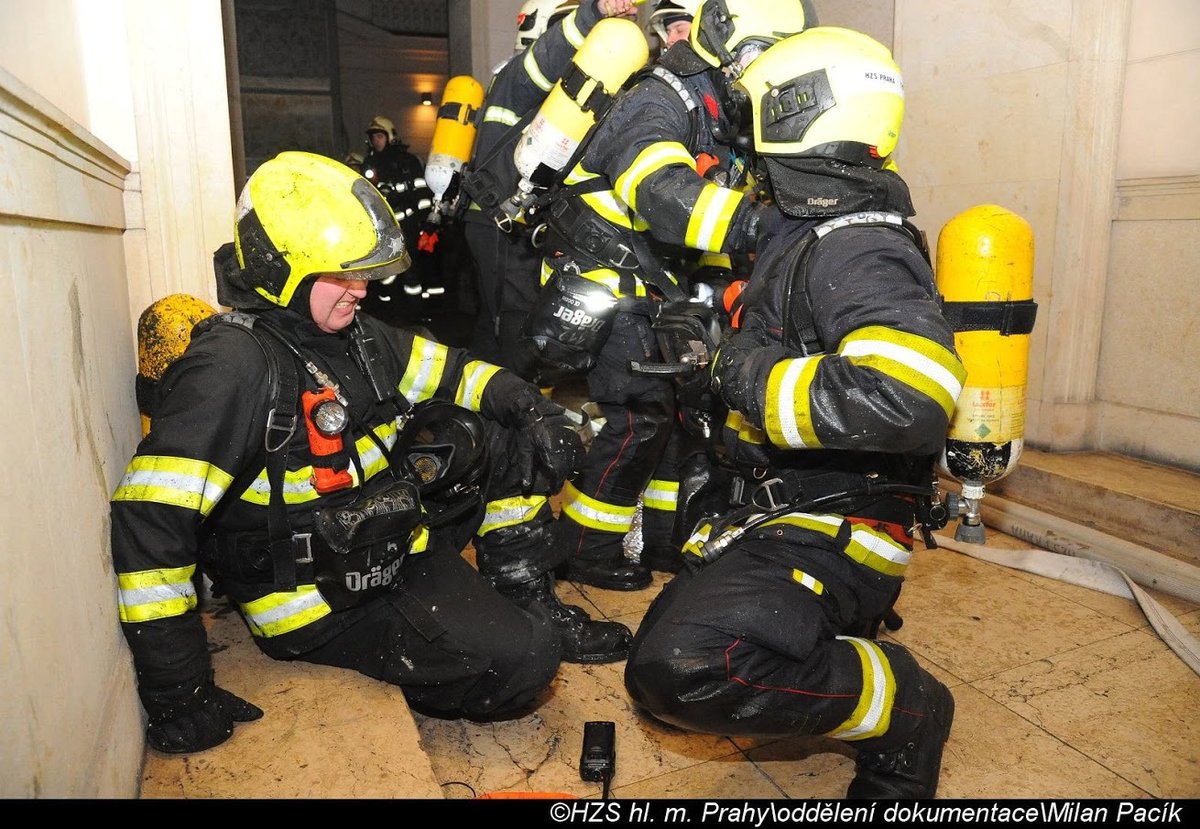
{"x": 716, "y": 260}
{"x": 605, "y": 204}
{"x": 787, "y": 414}
{"x": 808, "y": 581}
{"x": 824, "y": 524}
{"x": 278, "y": 613}
{"x": 596, "y": 514}
{"x": 475, "y": 377}
{"x": 547, "y": 272}
{"x": 156, "y": 594}
{"x": 297, "y": 487}
{"x": 179, "y": 482}
{"x": 571, "y": 31}
{"x": 611, "y": 280}
{"x": 650, "y": 160}
{"x": 873, "y": 715}
{"x": 878, "y": 550}
{"x": 424, "y": 371}
{"x": 535, "y": 72}
{"x": 369, "y": 455}
{"x": 746, "y": 431}
{"x": 710, "y": 217}
{"x": 579, "y": 174}
{"x": 662, "y": 495}
{"x": 700, "y": 536}
{"x": 500, "y": 115}
{"x": 917, "y": 362}
{"x": 298, "y": 483}
{"x": 420, "y": 540}
{"x": 508, "y": 512}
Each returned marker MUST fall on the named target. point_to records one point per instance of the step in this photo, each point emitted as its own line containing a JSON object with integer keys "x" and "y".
{"x": 325, "y": 733}
{"x": 1149, "y": 504}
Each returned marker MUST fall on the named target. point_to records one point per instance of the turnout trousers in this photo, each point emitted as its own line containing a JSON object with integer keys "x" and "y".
{"x": 453, "y": 645}
{"x": 508, "y": 269}
{"x": 771, "y": 640}
{"x": 639, "y": 412}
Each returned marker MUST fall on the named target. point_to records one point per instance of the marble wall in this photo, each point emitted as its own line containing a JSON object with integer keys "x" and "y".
{"x": 115, "y": 188}
{"x": 73, "y": 723}
{"x": 1147, "y": 385}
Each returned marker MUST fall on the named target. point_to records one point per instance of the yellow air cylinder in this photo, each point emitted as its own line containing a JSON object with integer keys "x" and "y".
{"x": 163, "y": 333}
{"x": 454, "y": 133}
{"x": 985, "y": 275}
{"x": 613, "y": 50}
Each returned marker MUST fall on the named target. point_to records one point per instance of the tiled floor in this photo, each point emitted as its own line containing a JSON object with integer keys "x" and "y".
{"x": 1061, "y": 691}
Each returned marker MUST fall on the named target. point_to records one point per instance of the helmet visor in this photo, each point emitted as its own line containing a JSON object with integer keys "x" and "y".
{"x": 390, "y": 255}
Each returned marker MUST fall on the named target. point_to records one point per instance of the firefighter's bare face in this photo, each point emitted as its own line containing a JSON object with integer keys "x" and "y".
{"x": 678, "y": 30}
{"x": 379, "y": 140}
{"x": 334, "y": 300}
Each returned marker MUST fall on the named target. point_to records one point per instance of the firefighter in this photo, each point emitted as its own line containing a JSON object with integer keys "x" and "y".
{"x": 400, "y": 176}
{"x": 658, "y": 166}
{"x": 672, "y": 22}
{"x": 549, "y": 33}
{"x": 280, "y": 462}
{"x": 840, "y": 384}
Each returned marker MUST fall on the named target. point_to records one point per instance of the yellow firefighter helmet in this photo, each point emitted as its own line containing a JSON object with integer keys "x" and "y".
{"x": 728, "y": 33}
{"x": 303, "y": 215}
{"x": 827, "y": 91}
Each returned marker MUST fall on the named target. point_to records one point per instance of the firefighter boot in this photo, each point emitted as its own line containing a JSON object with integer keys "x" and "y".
{"x": 910, "y": 772}
{"x": 664, "y": 559}
{"x": 612, "y": 571}
{"x": 583, "y": 640}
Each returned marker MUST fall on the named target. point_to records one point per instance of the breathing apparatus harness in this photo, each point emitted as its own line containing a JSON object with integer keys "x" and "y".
{"x": 759, "y": 498}
{"x": 359, "y": 548}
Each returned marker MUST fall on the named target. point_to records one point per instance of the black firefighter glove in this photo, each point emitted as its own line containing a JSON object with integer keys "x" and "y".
{"x": 193, "y": 717}
{"x": 547, "y": 442}
{"x": 732, "y": 373}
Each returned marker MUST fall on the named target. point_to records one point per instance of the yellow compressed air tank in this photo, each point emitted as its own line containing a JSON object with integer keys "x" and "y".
{"x": 454, "y": 133}
{"x": 163, "y": 333}
{"x": 613, "y": 50}
{"x": 985, "y": 276}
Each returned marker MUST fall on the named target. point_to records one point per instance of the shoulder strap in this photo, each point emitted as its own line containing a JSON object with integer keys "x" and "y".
{"x": 284, "y": 382}
{"x": 693, "y": 106}
{"x": 799, "y": 330}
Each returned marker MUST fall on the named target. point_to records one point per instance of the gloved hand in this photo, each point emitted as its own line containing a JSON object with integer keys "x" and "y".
{"x": 547, "y": 442}
{"x": 191, "y": 717}
{"x": 729, "y": 372}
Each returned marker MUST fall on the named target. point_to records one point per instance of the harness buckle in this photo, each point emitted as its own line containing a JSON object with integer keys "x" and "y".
{"x": 285, "y": 424}
{"x": 775, "y": 493}
{"x": 303, "y": 541}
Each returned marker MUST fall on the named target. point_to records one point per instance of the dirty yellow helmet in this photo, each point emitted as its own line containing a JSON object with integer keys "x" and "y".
{"x": 164, "y": 331}
{"x": 535, "y": 18}
{"x": 828, "y": 92}
{"x": 303, "y": 215}
{"x": 729, "y": 32}
{"x": 384, "y": 125}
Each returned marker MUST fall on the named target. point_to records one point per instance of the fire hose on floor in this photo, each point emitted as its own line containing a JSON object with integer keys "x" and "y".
{"x": 1080, "y": 555}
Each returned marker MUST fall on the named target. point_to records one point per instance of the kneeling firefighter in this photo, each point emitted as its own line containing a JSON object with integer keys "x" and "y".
{"x": 658, "y": 166}
{"x": 840, "y": 384}
{"x": 325, "y": 471}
